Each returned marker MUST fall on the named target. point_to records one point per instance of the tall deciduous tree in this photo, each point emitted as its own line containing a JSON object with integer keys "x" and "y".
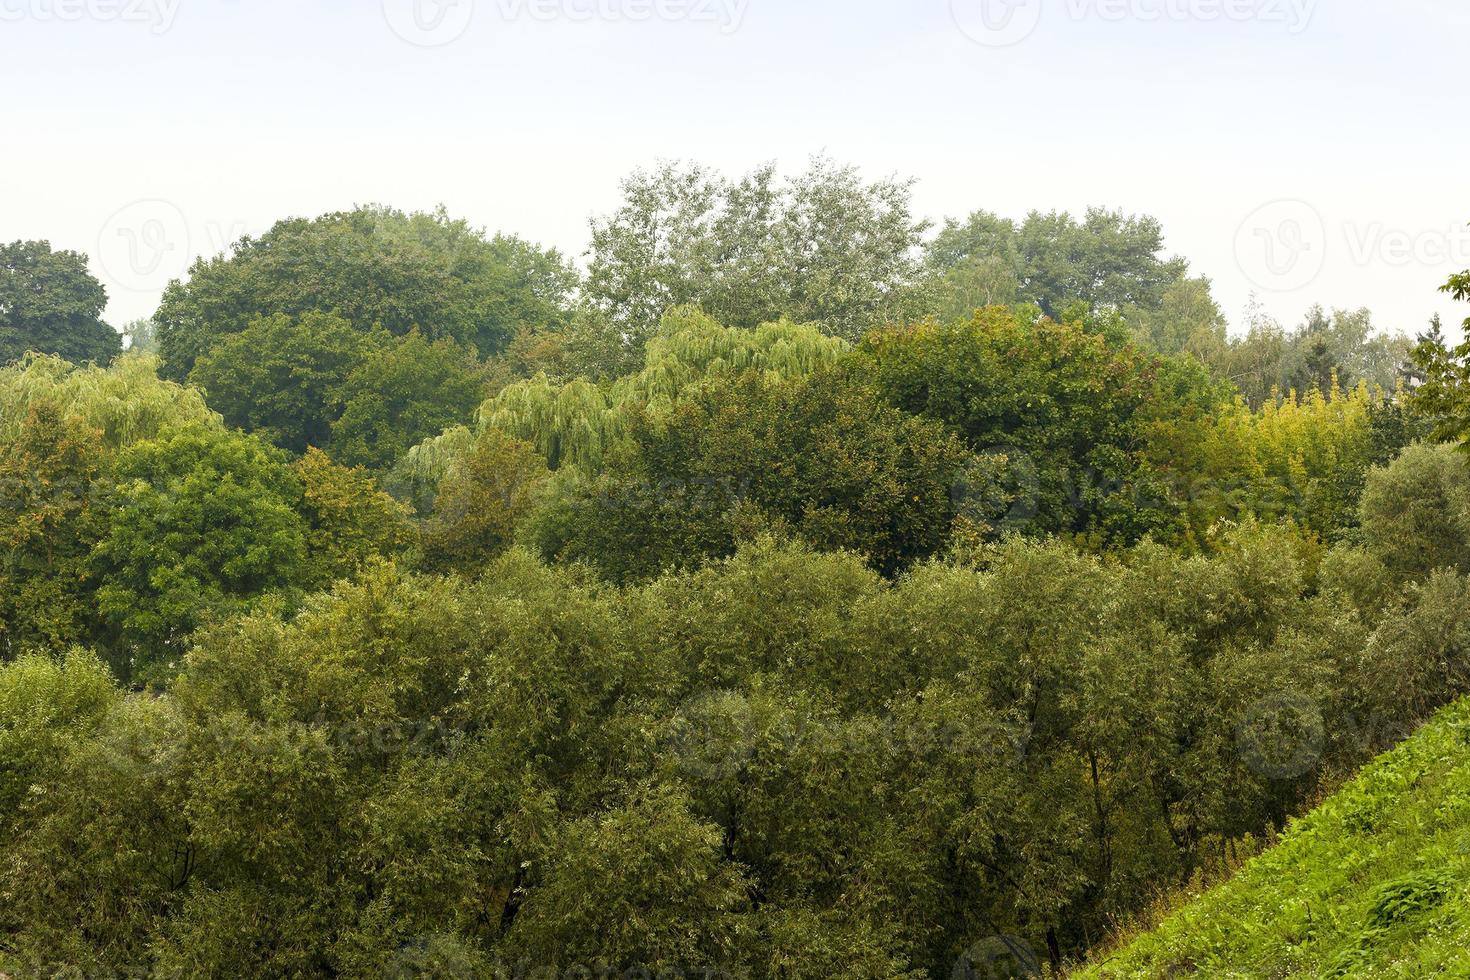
{"x": 49, "y": 524}
{"x": 204, "y": 523}
{"x": 280, "y": 377}
{"x": 1107, "y": 259}
{"x": 374, "y": 267}
{"x": 822, "y": 247}
{"x": 51, "y": 304}
{"x": 400, "y": 394}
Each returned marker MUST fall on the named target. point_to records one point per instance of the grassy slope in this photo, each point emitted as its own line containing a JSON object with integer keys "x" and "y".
{"x": 1374, "y": 883}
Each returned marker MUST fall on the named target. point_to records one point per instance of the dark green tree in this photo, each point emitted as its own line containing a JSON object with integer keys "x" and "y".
{"x": 821, "y": 457}
{"x": 51, "y": 303}
{"x": 280, "y": 378}
{"x": 399, "y": 395}
{"x": 374, "y": 267}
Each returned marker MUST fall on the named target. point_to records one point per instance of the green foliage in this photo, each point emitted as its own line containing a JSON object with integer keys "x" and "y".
{"x": 51, "y": 304}
{"x": 49, "y": 524}
{"x": 642, "y": 886}
{"x": 349, "y": 519}
{"x": 821, "y": 247}
{"x": 1304, "y": 460}
{"x": 580, "y": 424}
{"x": 1416, "y": 511}
{"x": 1326, "y": 351}
{"x": 936, "y": 656}
{"x": 1308, "y": 907}
{"x": 1059, "y": 408}
{"x": 281, "y": 378}
{"x": 480, "y": 502}
{"x": 374, "y": 267}
{"x": 127, "y": 402}
{"x": 1106, "y": 260}
{"x": 203, "y": 524}
{"x": 531, "y": 771}
{"x": 400, "y": 394}
{"x": 735, "y": 457}
{"x": 46, "y": 707}
{"x": 1442, "y": 394}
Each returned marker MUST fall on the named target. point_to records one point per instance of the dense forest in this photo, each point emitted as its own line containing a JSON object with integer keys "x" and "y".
{"x": 790, "y": 589}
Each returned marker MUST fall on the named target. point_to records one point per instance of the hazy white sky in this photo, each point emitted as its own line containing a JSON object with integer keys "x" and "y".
{"x": 1305, "y": 150}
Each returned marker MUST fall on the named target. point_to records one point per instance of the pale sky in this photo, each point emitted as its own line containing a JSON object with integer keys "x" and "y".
{"x": 1306, "y": 150}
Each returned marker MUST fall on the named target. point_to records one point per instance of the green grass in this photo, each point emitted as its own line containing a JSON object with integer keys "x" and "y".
{"x": 1374, "y": 883}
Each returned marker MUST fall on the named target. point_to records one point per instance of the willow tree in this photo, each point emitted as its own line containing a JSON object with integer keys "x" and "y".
{"x": 127, "y": 402}
{"x": 580, "y": 424}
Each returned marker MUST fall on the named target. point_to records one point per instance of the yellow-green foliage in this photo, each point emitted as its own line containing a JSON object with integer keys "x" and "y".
{"x": 691, "y": 350}
{"x": 579, "y": 423}
{"x": 127, "y": 402}
{"x": 1298, "y": 458}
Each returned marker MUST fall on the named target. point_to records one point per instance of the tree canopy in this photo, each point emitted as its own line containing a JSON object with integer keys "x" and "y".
{"x": 822, "y": 247}
{"x": 374, "y": 267}
{"x": 51, "y": 304}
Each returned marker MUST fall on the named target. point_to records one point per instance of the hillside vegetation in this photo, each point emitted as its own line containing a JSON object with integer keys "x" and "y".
{"x": 406, "y": 602}
{"x": 1374, "y": 883}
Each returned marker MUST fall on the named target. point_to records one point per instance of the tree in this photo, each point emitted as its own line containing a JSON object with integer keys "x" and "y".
{"x": 821, "y": 247}
{"x": 51, "y": 304}
{"x": 349, "y": 519}
{"x": 1416, "y": 512}
{"x": 581, "y": 424}
{"x": 480, "y": 503}
{"x": 203, "y": 524}
{"x": 1187, "y": 319}
{"x": 1055, "y": 413}
{"x": 1106, "y": 260}
{"x": 1443, "y": 395}
{"x": 671, "y": 902}
{"x": 399, "y": 395}
{"x": 126, "y": 403}
{"x": 141, "y": 336}
{"x": 281, "y": 379}
{"x": 1339, "y": 347}
{"x": 374, "y": 267}
{"x": 49, "y": 523}
{"x": 821, "y": 457}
